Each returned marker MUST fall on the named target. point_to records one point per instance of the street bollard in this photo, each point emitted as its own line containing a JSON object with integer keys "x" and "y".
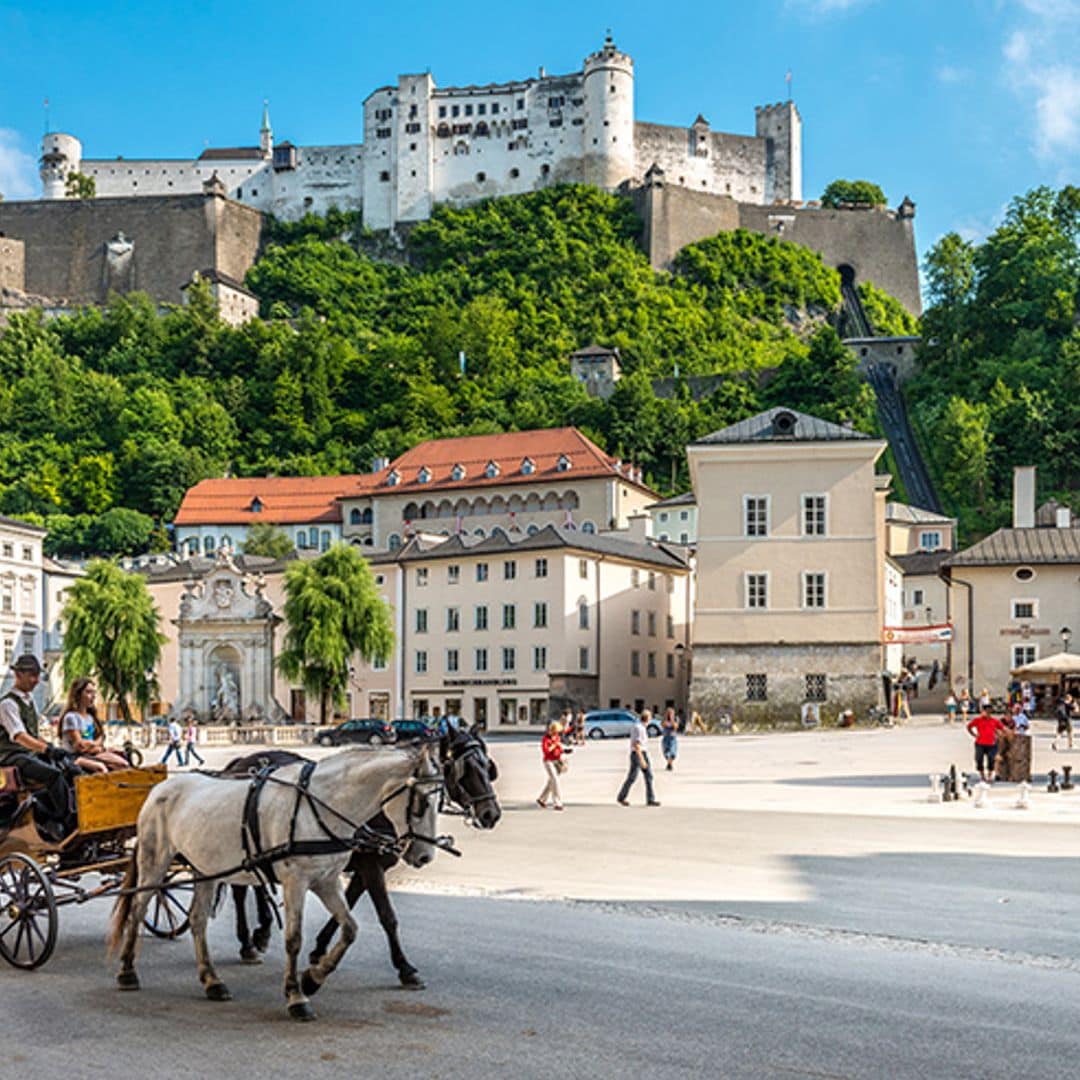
{"x": 1066, "y": 782}
{"x": 954, "y": 789}
{"x": 1052, "y": 787}
{"x": 982, "y": 791}
{"x": 936, "y": 795}
{"x": 1022, "y": 801}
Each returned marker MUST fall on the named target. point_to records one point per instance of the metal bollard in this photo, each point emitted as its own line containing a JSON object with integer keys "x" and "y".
{"x": 1066, "y": 783}
{"x": 982, "y": 791}
{"x": 1052, "y": 787}
{"x": 936, "y": 795}
{"x": 1022, "y": 801}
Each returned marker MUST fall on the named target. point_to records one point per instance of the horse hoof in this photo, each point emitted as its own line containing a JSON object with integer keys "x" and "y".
{"x": 218, "y": 992}
{"x": 411, "y": 980}
{"x": 308, "y": 984}
{"x": 302, "y": 1010}
{"x": 249, "y": 955}
{"x": 261, "y": 939}
{"x": 127, "y": 980}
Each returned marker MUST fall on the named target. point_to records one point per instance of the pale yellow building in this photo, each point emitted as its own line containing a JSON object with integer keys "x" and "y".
{"x": 1015, "y": 596}
{"x": 790, "y": 568}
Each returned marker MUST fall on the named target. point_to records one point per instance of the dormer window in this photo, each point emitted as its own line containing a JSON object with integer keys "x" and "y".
{"x": 457, "y": 472}
{"x": 491, "y": 470}
{"x": 563, "y": 464}
{"x": 424, "y": 475}
{"x": 256, "y": 505}
{"x": 528, "y": 467}
{"x": 393, "y": 479}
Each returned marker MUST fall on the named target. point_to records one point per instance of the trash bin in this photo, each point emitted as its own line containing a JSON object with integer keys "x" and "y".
{"x": 1013, "y": 757}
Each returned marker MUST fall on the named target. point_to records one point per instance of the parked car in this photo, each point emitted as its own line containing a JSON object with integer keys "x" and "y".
{"x": 615, "y": 724}
{"x": 375, "y": 732}
{"x": 414, "y": 729}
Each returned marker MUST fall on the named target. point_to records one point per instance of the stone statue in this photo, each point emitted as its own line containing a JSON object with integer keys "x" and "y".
{"x": 227, "y": 698}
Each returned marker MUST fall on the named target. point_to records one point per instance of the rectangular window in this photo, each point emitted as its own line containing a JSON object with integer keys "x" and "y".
{"x": 670, "y": 665}
{"x": 670, "y": 584}
{"x": 481, "y": 109}
{"x": 468, "y": 110}
{"x": 509, "y": 570}
{"x": 813, "y": 515}
{"x": 583, "y": 658}
{"x": 442, "y": 112}
{"x": 421, "y": 661}
{"x": 455, "y": 110}
{"x": 378, "y": 664}
{"x": 494, "y": 108}
{"x": 757, "y": 590}
{"x": 481, "y": 571}
{"x": 635, "y": 622}
{"x": 635, "y": 662}
{"x": 757, "y": 688}
{"x": 28, "y": 554}
{"x": 509, "y": 619}
{"x": 583, "y": 568}
{"x": 421, "y": 620}
{"x": 652, "y": 582}
{"x": 452, "y": 660}
{"x": 583, "y": 616}
{"x": 9, "y": 551}
{"x": 816, "y": 686}
{"x": 652, "y": 624}
{"x": 480, "y": 621}
{"x": 814, "y": 590}
{"x": 453, "y": 620}
{"x": 651, "y": 665}
{"x": 539, "y": 658}
{"x": 669, "y": 629}
{"x": 1022, "y": 655}
{"x": 930, "y": 541}
{"x": 453, "y": 575}
{"x": 1025, "y": 609}
{"x": 480, "y": 660}
{"x": 509, "y": 658}
{"x": 421, "y": 576}
{"x": 755, "y": 515}
{"x": 917, "y": 597}
{"x": 635, "y": 578}
{"x": 541, "y": 568}
{"x": 540, "y": 615}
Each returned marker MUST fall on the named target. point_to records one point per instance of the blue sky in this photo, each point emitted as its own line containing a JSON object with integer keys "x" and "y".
{"x": 958, "y": 103}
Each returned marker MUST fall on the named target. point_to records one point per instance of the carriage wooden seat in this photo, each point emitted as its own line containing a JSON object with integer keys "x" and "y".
{"x": 112, "y": 800}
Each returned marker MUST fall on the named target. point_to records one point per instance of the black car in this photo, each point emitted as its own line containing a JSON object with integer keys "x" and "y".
{"x": 375, "y": 732}
{"x": 414, "y": 729}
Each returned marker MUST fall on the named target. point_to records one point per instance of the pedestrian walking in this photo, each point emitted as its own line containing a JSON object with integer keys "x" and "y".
{"x": 697, "y": 725}
{"x": 965, "y": 706}
{"x": 1064, "y": 714}
{"x": 191, "y": 735}
{"x": 552, "y": 749}
{"x": 950, "y": 708}
{"x": 639, "y": 762}
{"x": 669, "y": 742}
{"x": 985, "y": 728}
{"x": 935, "y": 674}
{"x": 579, "y": 728}
{"x": 175, "y": 746}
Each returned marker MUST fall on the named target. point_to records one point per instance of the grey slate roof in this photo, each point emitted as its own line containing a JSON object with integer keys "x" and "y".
{"x": 687, "y": 498}
{"x": 921, "y": 562}
{"x": 199, "y": 566}
{"x": 760, "y": 429}
{"x": 499, "y": 542}
{"x": 1008, "y": 547}
{"x": 915, "y": 515}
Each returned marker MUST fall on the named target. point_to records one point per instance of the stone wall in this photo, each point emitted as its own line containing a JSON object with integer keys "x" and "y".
{"x": 12, "y": 263}
{"x": 878, "y": 245}
{"x": 80, "y": 250}
{"x": 720, "y": 674}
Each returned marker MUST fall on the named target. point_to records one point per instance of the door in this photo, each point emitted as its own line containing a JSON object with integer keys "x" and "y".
{"x": 380, "y": 706}
{"x": 297, "y": 706}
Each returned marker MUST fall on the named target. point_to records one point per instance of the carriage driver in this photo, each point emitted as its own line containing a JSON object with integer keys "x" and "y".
{"x": 20, "y": 746}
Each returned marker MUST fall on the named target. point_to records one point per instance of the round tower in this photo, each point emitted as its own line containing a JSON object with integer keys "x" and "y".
{"x": 61, "y": 155}
{"x": 609, "y": 117}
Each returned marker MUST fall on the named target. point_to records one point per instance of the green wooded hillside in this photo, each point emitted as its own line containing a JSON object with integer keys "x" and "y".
{"x": 120, "y": 410}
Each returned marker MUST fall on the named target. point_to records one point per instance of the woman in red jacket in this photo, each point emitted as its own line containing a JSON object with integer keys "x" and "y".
{"x": 552, "y": 747}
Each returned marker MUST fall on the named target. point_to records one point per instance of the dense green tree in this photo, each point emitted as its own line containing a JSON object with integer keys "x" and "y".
{"x": 111, "y": 633}
{"x": 853, "y": 193}
{"x": 266, "y": 539}
{"x": 333, "y": 612}
{"x": 120, "y": 531}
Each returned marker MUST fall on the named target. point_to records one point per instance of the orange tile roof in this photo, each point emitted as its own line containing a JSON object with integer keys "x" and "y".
{"x": 507, "y": 450}
{"x": 286, "y": 500}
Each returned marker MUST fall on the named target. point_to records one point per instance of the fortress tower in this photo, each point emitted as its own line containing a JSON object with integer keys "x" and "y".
{"x": 61, "y": 155}
{"x": 266, "y": 133}
{"x": 608, "y": 156}
{"x": 781, "y": 128}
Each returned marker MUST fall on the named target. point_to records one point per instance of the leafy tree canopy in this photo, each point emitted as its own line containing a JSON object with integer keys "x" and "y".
{"x": 853, "y": 193}
{"x": 268, "y": 540}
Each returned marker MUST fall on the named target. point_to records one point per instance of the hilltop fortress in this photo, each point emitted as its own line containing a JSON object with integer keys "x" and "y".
{"x": 424, "y": 144}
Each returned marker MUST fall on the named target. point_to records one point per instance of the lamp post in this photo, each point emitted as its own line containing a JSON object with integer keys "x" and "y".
{"x": 680, "y": 682}
{"x": 1066, "y": 637}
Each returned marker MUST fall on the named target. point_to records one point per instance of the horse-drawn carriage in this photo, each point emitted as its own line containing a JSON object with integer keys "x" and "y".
{"x": 38, "y": 876}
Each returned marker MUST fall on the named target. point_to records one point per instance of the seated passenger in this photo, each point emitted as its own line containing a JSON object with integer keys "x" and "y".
{"x": 80, "y": 718}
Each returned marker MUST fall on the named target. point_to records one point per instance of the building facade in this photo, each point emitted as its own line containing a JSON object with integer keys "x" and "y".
{"x": 674, "y": 520}
{"x": 21, "y": 593}
{"x": 424, "y": 144}
{"x": 791, "y": 557}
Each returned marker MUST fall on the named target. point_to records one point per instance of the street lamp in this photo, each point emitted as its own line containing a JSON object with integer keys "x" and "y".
{"x": 1066, "y": 636}
{"x": 929, "y": 616}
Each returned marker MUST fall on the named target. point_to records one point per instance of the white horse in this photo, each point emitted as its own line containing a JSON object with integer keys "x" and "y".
{"x": 200, "y": 818}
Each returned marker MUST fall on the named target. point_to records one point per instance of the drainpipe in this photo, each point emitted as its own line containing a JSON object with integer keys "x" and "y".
{"x": 403, "y": 622}
{"x": 970, "y": 630}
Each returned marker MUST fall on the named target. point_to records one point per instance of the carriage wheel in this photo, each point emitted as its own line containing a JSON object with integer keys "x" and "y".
{"x": 167, "y": 915}
{"x": 28, "y": 916}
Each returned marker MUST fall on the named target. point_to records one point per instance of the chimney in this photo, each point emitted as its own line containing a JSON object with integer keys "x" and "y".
{"x": 1024, "y": 497}
{"x": 1064, "y": 517}
{"x": 379, "y": 463}
{"x": 638, "y": 528}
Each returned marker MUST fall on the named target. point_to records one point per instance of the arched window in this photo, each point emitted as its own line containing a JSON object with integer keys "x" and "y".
{"x": 563, "y": 464}
{"x": 479, "y": 532}
{"x": 457, "y": 472}
{"x": 226, "y": 541}
{"x": 365, "y": 516}
{"x": 527, "y": 467}
{"x": 394, "y": 542}
{"x": 393, "y": 478}
{"x": 424, "y": 475}
{"x": 354, "y": 516}
{"x": 583, "y": 614}
{"x": 325, "y": 545}
{"x": 313, "y": 537}
{"x": 491, "y": 470}
{"x": 532, "y": 530}
{"x": 208, "y": 544}
{"x": 301, "y": 538}
{"x": 588, "y": 527}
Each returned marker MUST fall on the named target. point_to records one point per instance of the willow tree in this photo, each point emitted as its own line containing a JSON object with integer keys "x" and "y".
{"x": 333, "y": 611}
{"x": 111, "y": 634}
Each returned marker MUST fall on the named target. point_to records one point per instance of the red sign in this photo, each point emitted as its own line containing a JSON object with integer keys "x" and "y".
{"x": 916, "y": 635}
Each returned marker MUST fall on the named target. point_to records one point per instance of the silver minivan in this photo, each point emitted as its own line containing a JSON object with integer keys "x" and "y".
{"x": 615, "y": 724}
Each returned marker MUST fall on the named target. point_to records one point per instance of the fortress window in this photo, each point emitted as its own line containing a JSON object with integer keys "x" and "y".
{"x": 254, "y": 192}
{"x": 577, "y": 121}
{"x": 521, "y": 103}
{"x": 412, "y": 111}
{"x": 382, "y": 133}
{"x": 481, "y": 109}
{"x": 384, "y": 177}
{"x": 514, "y": 173}
{"x": 239, "y": 192}
{"x": 412, "y": 129}
{"x": 308, "y": 200}
{"x": 481, "y": 177}
{"x": 494, "y": 108}
{"x": 556, "y": 102}
{"x": 455, "y": 110}
{"x": 468, "y": 110}
{"x": 442, "y": 111}
{"x": 412, "y": 146}
{"x": 545, "y": 170}
{"x": 557, "y": 122}
{"x": 613, "y": 88}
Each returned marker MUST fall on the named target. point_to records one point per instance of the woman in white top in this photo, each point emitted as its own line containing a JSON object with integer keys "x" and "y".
{"x": 79, "y": 717}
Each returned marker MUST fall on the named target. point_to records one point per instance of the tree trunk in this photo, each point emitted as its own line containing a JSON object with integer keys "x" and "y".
{"x": 125, "y": 708}
{"x": 324, "y": 701}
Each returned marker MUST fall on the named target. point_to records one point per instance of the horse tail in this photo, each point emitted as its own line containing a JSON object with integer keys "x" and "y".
{"x": 121, "y": 911}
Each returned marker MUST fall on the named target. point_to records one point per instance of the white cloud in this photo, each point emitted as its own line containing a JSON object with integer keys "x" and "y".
{"x": 950, "y": 75}
{"x": 1042, "y": 67}
{"x": 824, "y": 8}
{"x": 18, "y": 170}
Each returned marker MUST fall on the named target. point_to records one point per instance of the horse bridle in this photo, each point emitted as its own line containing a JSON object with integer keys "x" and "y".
{"x": 453, "y": 776}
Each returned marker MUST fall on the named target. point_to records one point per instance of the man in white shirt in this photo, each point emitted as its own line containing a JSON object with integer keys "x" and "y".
{"x": 21, "y": 746}
{"x": 175, "y": 735}
{"x": 639, "y": 762}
